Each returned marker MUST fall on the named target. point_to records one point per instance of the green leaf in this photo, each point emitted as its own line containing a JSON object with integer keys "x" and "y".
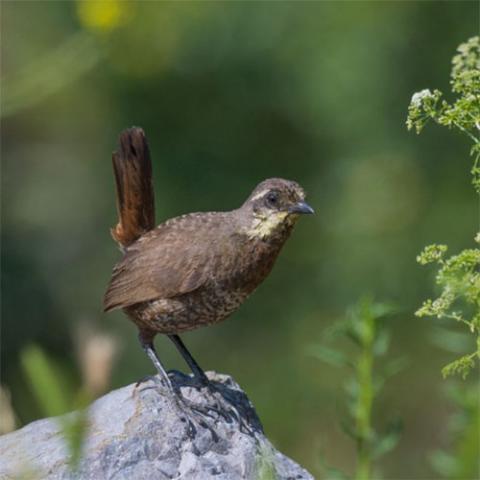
{"x": 74, "y": 429}
{"x": 45, "y": 381}
{"x": 389, "y": 440}
{"x": 444, "y": 463}
{"x": 395, "y": 366}
{"x": 331, "y": 473}
{"x": 329, "y": 355}
{"x": 381, "y": 344}
{"x": 461, "y": 366}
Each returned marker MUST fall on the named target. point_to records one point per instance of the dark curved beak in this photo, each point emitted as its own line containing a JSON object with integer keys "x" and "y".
{"x": 302, "y": 208}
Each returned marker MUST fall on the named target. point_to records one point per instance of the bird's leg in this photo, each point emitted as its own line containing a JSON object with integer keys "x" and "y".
{"x": 146, "y": 341}
{"x": 198, "y": 373}
{"x": 225, "y": 407}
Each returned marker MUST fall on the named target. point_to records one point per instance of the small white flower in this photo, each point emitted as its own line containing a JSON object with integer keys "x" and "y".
{"x": 418, "y": 97}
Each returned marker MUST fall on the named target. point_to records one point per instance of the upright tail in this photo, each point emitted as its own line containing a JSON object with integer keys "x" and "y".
{"x": 133, "y": 176}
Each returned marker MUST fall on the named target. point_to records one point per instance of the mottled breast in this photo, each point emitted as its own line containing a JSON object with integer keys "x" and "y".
{"x": 192, "y": 271}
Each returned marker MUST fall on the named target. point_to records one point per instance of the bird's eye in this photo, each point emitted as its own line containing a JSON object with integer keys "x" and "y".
{"x": 272, "y": 199}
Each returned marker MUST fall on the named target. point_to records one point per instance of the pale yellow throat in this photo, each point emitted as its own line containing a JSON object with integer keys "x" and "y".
{"x": 265, "y": 226}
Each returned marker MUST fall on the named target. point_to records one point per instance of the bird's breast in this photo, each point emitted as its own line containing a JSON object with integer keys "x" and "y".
{"x": 250, "y": 265}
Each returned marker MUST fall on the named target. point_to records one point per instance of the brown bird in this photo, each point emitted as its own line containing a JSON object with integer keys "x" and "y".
{"x": 196, "y": 269}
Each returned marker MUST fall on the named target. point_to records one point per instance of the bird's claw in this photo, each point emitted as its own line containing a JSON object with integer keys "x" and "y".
{"x": 218, "y": 406}
{"x": 225, "y": 407}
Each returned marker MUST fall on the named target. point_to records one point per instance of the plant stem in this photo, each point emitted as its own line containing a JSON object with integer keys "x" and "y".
{"x": 365, "y": 398}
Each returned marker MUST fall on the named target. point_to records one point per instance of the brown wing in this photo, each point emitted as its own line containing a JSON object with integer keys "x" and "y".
{"x": 175, "y": 258}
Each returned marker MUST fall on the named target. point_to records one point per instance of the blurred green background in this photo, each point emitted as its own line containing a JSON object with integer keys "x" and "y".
{"x": 229, "y": 94}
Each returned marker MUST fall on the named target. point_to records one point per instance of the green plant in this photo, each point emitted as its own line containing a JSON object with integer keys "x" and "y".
{"x": 463, "y": 112}
{"x": 463, "y": 427}
{"x": 265, "y": 467}
{"x": 55, "y": 397}
{"x": 459, "y": 275}
{"x": 459, "y": 280}
{"x": 368, "y": 340}
{"x": 55, "y": 393}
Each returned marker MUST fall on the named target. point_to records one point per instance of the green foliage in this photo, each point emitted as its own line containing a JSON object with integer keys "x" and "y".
{"x": 265, "y": 467}
{"x": 44, "y": 379}
{"x": 368, "y": 340}
{"x": 463, "y": 428}
{"x": 462, "y": 113}
{"x": 55, "y": 397}
{"x": 458, "y": 276}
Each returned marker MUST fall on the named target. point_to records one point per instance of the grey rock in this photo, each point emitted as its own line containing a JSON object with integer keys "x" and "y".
{"x": 142, "y": 432}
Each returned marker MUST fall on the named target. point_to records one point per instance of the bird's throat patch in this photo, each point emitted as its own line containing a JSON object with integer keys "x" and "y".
{"x": 263, "y": 227}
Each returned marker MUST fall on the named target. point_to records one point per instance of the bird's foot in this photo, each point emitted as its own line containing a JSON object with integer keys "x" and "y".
{"x": 181, "y": 379}
{"x": 227, "y": 405}
{"x": 145, "y": 379}
{"x": 190, "y": 413}
{"x": 202, "y": 384}
{"x": 221, "y": 400}
{"x": 218, "y": 402}
{"x": 193, "y": 414}
{"x": 158, "y": 381}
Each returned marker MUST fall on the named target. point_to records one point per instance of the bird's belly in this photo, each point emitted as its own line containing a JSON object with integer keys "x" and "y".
{"x": 186, "y": 312}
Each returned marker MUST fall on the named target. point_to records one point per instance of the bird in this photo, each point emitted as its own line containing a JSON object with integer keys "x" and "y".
{"x": 196, "y": 269}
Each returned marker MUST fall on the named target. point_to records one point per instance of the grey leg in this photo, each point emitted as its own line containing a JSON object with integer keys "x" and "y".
{"x": 146, "y": 340}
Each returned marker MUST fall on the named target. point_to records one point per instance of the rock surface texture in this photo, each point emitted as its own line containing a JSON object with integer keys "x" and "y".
{"x": 140, "y": 432}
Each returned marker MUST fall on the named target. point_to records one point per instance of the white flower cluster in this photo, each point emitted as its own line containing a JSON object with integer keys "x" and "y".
{"x": 418, "y": 97}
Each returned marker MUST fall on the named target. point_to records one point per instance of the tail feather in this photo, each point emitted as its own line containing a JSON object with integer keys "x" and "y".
{"x": 133, "y": 177}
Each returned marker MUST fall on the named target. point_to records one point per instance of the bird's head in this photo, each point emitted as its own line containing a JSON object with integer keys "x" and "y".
{"x": 273, "y": 208}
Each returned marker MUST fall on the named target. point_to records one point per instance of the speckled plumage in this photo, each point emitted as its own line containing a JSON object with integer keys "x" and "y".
{"x": 197, "y": 269}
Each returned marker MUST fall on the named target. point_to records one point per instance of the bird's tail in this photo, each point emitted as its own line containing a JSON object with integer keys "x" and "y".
{"x": 133, "y": 177}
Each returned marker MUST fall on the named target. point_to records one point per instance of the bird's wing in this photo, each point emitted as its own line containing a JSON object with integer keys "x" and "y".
{"x": 177, "y": 257}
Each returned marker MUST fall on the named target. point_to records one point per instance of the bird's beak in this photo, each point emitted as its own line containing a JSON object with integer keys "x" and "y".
{"x": 301, "y": 207}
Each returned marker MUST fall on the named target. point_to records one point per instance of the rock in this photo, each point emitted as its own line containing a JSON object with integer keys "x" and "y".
{"x": 141, "y": 432}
